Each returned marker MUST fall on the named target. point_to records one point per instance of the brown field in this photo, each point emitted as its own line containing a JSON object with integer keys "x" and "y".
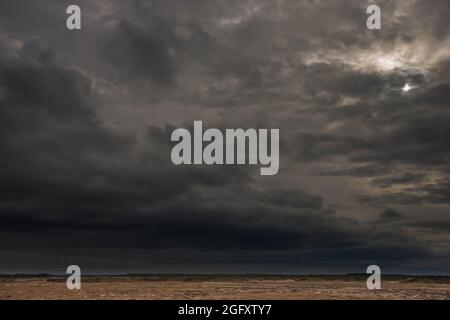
{"x": 224, "y": 287}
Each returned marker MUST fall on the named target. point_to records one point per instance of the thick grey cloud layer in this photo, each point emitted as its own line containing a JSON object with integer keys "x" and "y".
{"x": 86, "y": 116}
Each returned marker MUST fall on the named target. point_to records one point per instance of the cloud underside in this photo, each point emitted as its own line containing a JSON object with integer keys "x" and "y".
{"x": 86, "y": 117}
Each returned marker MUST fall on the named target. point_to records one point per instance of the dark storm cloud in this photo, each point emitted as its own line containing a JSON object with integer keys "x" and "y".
{"x": 382, "y": 128}
{"x": 357, "y": 171}
{"x": 406, "y": 178}
{"x": 421, "y": 193}
{"x": 60, "y": 152}
{"x": 394, "y": 125}
{"x": 216, "y": 225}
{"x": 86, "y": 173}
{"x": 390, "y": 215}
{"x": 34, "y": 82}
{"x": 443, "y": 226}
{"x": 137, "y": 53}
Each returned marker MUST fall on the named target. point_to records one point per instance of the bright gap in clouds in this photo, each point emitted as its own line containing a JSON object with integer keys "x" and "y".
{"x": 406, "y": 87}
{"x": 388, "y": 63}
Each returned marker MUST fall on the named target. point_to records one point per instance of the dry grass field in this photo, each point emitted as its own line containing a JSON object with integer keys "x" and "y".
{"x": 224, "y": 287}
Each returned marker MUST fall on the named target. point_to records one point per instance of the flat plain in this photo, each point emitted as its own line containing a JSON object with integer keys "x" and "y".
{"x": 229, "y": 287}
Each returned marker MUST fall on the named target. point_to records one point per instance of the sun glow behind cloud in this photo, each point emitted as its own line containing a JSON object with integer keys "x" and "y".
{"x": 407, "y": 87}
{"x": 373, "y": 60}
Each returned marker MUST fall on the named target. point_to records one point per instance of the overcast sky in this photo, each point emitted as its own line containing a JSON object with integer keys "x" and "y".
{"x": 86, "y": 118}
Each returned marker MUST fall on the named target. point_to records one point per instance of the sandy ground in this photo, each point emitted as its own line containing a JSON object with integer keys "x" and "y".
{"x": 223, "y": 287}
